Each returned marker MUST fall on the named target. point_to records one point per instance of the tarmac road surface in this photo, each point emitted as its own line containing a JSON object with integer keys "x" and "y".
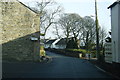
{"x": 58, "y": 67}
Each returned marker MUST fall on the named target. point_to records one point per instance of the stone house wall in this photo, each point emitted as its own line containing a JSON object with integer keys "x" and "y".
{"x": 19, "y": 23}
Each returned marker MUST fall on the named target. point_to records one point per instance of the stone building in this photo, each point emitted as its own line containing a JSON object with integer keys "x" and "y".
{"x": 19, "y": 24}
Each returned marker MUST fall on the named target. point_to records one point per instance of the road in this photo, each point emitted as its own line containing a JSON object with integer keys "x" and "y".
{"x": 59, "y": 67}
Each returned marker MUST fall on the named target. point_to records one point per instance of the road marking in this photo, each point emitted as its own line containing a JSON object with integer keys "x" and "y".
{"x": 108, "y": 73}
{"x": 100, "y": 68}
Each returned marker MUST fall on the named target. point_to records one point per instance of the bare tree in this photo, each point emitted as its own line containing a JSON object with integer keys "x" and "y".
{"x": 57, "y": 31}
{"x": 102, "y": 36}
{"x": 41, "y": 6}
{"x": 49, "y": 18}
{"x": 71, "y": 24}
{"x": 88, "y": 32}
{"x": 64, "y": 23}
{"x": 48, "y": 14}
{"x": 76, "y": 24}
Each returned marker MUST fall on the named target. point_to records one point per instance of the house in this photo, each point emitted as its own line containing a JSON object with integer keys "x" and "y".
{"x": 108, "y": 50}
{"x": 115, "y": 26}
{"x": 61, "y": 44}
{"x": 49, "y": 43}
{"x": 54, "y": 44}
{"x": 20, "y": 31}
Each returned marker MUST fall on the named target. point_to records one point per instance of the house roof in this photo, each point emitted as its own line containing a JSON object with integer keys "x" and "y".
{"x": 61, "y": 42}
{"x": 27, "y": 7}
{"x": 50, "y": 41}
{"x": 117, "y": 2}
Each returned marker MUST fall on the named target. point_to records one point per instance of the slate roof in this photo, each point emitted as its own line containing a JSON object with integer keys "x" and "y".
{"x": 61, "y": 42}
{"x": 117, "y": 2}
{"x": 50, "y": 41}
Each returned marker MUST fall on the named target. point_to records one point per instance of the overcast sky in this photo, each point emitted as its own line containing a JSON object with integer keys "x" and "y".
{"x": 87, "y": 8}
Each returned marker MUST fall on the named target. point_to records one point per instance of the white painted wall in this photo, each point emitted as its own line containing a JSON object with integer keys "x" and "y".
{"x": 61, "y": 46}
{"x": 115, "y": 23}
{"x": 47, "y": 45}
{"x": 53, "y": 44}
{"x": 119, "y": 33}
{"x": 108, "y": 52}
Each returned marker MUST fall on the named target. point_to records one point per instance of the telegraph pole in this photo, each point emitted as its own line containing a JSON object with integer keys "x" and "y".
{"x": 97, "y": 33}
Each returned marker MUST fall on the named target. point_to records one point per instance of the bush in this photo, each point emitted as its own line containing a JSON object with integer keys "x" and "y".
{"x": 42, "y": 51}
{"x": 83, "y": 51}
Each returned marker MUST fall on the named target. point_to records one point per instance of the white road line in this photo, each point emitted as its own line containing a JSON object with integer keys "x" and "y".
{"x": 108, "y": 73}
{"x": 100, "y": 68}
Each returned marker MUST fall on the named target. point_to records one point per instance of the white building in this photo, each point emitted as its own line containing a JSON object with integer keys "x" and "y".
{"x": 53, "y": 44}
{"x": 115, "y": 23}
{"x": 108, "y": 52}
{"x": 49, "y": 43}
{"x": 61, "y": 44}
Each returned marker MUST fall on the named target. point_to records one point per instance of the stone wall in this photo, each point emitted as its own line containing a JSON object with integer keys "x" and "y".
{"x": 19, "y": 23}
{"x": 0, "y": 34}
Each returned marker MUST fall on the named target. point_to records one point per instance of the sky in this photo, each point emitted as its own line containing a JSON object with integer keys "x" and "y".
{"x": 87, "y": 8}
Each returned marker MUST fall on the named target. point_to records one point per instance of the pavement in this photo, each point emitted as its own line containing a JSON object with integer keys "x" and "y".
{"x": 58, "y": 66}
